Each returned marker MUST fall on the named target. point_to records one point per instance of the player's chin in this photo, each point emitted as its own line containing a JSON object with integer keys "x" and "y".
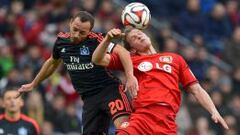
{"x": 12, "y": 110}
{"x": 76, "y": 40}
{"x": 146, "y": 45}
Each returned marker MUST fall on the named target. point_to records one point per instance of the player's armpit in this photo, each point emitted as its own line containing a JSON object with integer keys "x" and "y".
{"x": 55, "y": 61}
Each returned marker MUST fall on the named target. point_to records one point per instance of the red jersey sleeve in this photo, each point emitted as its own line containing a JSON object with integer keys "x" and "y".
{"x": 115, "y": 62}
{"x": 185, "y": 74}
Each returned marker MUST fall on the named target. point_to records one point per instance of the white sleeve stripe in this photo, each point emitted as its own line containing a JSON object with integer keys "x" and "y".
{"x": 110, "y": 47}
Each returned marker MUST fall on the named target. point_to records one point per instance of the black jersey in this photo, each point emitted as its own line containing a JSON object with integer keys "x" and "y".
{"x": 87, "y": 78}
{"x": 23, "y": 126}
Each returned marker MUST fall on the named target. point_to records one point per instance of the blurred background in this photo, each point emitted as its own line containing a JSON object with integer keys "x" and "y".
{"x": 205, "y": 32}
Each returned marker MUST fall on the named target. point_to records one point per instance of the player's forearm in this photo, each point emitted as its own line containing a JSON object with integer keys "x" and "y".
{"x": 47, "y": 69}
{"x": 100, "y": 51}
{"x": 126, "y": 61}
{"x": 203, "y": 98}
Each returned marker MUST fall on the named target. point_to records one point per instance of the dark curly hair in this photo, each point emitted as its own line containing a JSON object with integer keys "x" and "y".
{"x": 84, "y": 16}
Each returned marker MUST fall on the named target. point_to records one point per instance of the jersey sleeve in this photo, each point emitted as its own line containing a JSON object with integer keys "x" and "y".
{"x": 55, "y": 51}
{"x": 36, "y": 129}
{"x": 115, "y": 62}
{"x": 111, "y": 45}
{"x": 186, "y": 76}
{"x": 34, "y": 125}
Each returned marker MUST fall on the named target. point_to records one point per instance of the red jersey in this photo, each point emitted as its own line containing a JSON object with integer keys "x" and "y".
{"x": 158, "y": 76}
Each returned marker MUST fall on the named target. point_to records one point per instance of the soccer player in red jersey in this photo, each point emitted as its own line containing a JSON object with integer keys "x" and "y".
{"x": 159, "y": 74}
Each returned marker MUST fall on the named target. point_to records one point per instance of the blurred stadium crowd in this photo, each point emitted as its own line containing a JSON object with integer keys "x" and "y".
{"x": 28, "y": 30}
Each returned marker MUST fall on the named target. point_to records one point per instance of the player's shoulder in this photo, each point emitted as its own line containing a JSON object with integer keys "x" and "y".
{"x": 173, "y": 55}
{"x": 31, "y": 121}
{"x": 27, "y": 119}
{"x": 96, "y": 35}
{"x": 93, "y": 34}
{"x": 1, "y": 116}
{"x": 62, "y": 38}
{"x": 63, "y": 35}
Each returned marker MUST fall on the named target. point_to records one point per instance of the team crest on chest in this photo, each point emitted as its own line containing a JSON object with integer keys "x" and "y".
{"x": 84, "y": 51}
{"x": 145, "y": 66}
{"x": 167, "y": 59}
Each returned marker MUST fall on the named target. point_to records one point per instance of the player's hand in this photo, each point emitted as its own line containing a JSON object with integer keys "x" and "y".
{"x": 217, "y": 118}
{"x": 114, "y": 33}
{"x": 24, "y": 88}
{"x": 132, "y": 86}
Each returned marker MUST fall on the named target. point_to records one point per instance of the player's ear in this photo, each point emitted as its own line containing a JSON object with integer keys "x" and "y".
{"x": 3, "y": 105}
{"x": 2, "y": 102}
{"x": 70, "y": 22}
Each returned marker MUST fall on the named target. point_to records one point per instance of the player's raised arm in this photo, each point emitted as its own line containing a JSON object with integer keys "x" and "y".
{"x": 100, "y": 57}
{"x": 47, "y": 69}
{"x": 204, "y": 99}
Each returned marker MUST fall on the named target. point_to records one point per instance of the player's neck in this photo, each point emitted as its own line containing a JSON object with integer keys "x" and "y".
{"x": 143, "y": 53}
{"x": 147, "y": 52}
{"x": 152, "y": 50}
{"x": 74, "y": 41}
{"x": 10, "y": 116}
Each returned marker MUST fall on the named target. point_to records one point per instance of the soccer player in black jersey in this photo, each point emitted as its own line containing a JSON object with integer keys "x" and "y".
{"x": 12, "y": 122}
{"x": 102, "y": 93}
